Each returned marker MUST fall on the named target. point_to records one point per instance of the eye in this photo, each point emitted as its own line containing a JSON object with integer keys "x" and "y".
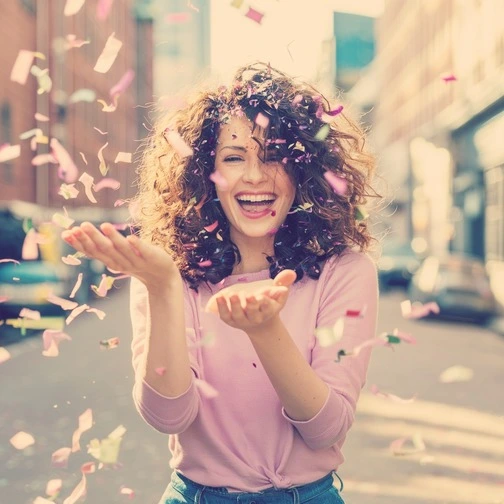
{"x": 232, "y": 159}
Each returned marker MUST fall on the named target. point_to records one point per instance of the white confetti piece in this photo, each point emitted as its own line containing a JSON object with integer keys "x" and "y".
{"x": 262, "y": 121}
{"x": 72, "y": 7}
{"x": 71, "y": 260}
{"x": 29, "y": 314}
{"x": 328, "y": 336}
{"x": 22, "y": 440}
{"x": 41, "y": 117}
{"x": 376, "y": 391}
{"x": 85, "y": 423}
{"x": 53, "y": 487}
{"x": 123, "y": 157}
{"x": 87, "y": 181}
{"x": 22, "y": 65}
{"x": 108, "y": 55}
{"x": 107, "y": 183}
{"x": 456, "y": 374}
{"x": 205, "y": 388}
{"x": 65, "y": 304}
{"x": 41, "y": 159}
{"x": 103, "y": 166}
{"x": 59, "y": 458}
{"x": 51, "y": 339}
{"x": 63, "y": 221}
{"x": 99, "y": 313}
{"x": 4, "y": 355}
{"x": 75, "y": 313}
{"x": 9, "y": 152}
{"x": 178, "y": 143}
{"x": 82, "y": 95}
{"x": 78, "y": 492}
{"x": 68, "y": 191}
{"x": 43, "y": 79}
{"x": 67, "y": 170}
{"x": 30, "y": 249}
{"x": 407, "y": 446}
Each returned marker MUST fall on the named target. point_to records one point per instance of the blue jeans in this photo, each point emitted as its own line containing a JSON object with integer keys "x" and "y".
{"x": 182, "y": 490}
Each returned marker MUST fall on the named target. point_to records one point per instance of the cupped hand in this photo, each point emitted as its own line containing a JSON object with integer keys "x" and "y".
{"x": 129, "y": 255}
{"x": 252, "y": 305}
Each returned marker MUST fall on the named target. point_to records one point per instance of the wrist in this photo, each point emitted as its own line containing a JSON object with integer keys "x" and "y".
{"x": 266, "y": 329}
{"x": 165, "y": 285}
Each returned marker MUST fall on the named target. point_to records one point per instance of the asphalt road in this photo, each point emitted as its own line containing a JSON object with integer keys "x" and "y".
{"x": 461, "y": 424}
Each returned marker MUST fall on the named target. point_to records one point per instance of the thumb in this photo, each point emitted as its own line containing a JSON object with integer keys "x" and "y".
{"x": 286, "y": 278}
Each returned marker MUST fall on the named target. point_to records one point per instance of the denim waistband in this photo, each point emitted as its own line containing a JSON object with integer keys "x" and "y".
{"x": 193, "y": 492}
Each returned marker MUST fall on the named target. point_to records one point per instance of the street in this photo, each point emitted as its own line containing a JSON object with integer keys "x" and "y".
{"x": 460, "y": 423}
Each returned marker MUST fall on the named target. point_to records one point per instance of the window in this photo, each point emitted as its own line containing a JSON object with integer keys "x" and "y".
{"x": 6, "y": 136}
{"x": 494, "y": 219}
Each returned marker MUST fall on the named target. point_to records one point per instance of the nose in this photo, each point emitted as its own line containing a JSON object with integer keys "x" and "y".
{"x": 254, "y": 171}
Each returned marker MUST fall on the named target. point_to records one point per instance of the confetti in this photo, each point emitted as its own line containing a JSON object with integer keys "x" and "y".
{"x": 9, "y": 260}
{"x": 119, "y": 202}
{"x": 219, "y": 180}
{"x": 41, "y": 117}
{"x": 71, "y": 260}
{"x": 322, "y": 133}
{"x": 75, "y": 313}
{"x": 82, "y": 95}
{"x": 22, "y": 65}
{"x": 53, "y": 487}
{"x": 108, "y": 55}
{"x": 328, "y": 336}
{"x": 30, "y": 249}
{"x": 109, "y": 343}
{"x": 72, "y": 7}
{"x": 127, "y": 491}
{"x": 103, "y": 9}
{"x": 178, "y": 144}
{"x": 67, "y": 170}
{"x": 205, "y": 388}
{"x": 4, "y": 355}
{"x": 237, "y": 3}
{"x": 397, "y": 447}
{"x": 449, "y": 78}
{"x": 99, "y": 313}
{"x": 51, "y": 339}
{"x": 211, "y": 227}
{"x": 87, "y": 182}
{"x": 123, "y": 84}
{"x": 357, "y": 350}
{"x": 160, "y": 371}
{"x": 103, "y": 166}
{"x": 456, "y": 374}
{"x": 123, "y": 157}
{"x": 83, "y": 158}
{"x": 71, "y": 41}
{"x": 68, "y": 191}
{"x": 65, "y": 304}
{"x": 77, "y": 285}
{"x": 376, "y": 391}
{"x": 338, "y": 184}
{"x": 22, "y": 440}
{"x": 60, "y": 457}
{"x": 109, "y": 107}
{"x": 262, "y": 121}
{"x": 105, "y": 285}
{"x": 41, "y": 159}
{"x": 9, "y": 152}
{"x": 30, "y": 133}
{"x": 327, "y": 116}
{"x": 63, "y": 221}
{"x": 43, "y": 79}
{"x": 254, "y": 15}
{"x": 100, "y": 131}
{"x": 29, "y": 314}
{"x": 107, "y": 183}
{"x": 418, "y": 310}
{"x": 78, "y": 492}
{"x": 85, "y": 423}
{"x": 107, "y": 450}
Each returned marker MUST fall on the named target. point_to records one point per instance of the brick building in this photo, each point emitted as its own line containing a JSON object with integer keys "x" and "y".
{"x": 42, "y": 27}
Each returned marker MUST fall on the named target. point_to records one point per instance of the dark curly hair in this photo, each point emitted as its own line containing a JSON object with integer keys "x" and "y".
{"x": 177, "y": 200}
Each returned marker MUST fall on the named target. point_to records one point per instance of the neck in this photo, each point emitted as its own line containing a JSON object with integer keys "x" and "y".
{"x": 253, "y": 254}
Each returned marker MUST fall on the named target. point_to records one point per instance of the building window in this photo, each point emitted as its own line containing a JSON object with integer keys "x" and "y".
{"x": 494, "y": 219}
{"x": 7, "y": 174}
{"x": 30, "y": 6}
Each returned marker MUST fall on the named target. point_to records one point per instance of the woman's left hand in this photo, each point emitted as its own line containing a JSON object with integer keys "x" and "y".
{"x": 255, "y": 305}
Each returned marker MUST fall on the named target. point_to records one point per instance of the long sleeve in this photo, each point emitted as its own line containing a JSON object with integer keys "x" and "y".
{"x": 350, "y": 283}
{"x": 166, "y": 414}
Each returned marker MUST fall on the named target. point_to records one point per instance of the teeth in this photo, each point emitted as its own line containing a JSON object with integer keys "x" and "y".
{"x": 254, "y": 198}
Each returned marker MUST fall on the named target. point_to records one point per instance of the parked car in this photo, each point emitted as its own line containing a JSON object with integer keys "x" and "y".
{"x": 397, "y": 265}
{"x": 458, "y": 284}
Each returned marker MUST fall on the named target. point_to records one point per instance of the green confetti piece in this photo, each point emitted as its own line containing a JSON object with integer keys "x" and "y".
{"x": 393, "y": 339}
{"x": 322, "y": 133}
{"x": 360, "y": 213}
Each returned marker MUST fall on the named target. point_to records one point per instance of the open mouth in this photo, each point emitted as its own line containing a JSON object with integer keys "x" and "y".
{"x": 256, "y": 204}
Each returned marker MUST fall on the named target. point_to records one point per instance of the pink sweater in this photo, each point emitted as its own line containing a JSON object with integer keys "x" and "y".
{"x": 242, "y": 438}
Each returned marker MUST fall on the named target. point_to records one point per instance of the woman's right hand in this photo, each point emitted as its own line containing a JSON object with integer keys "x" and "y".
{"x": 130, "y": 255}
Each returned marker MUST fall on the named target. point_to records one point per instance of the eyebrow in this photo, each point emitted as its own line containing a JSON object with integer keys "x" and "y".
{"x": 234, "y": 147}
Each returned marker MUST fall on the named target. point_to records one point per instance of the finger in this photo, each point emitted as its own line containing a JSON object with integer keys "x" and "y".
{"x": 69, "y": 238}
{"x": 237, "y": 312}
{"x": 105, "y": 247}
{"x": 121, "y": 243}
{"x": 223, "y": 309}
{"x": 286, "y": 277}
{"x": 252, "y": 310}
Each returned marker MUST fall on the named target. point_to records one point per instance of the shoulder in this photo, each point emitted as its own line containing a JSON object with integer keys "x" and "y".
{"x": 349, "y": 263}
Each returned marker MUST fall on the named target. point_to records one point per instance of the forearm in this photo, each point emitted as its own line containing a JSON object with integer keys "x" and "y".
{"x": 166, "y": 345}
{"x": 301, "y": 392}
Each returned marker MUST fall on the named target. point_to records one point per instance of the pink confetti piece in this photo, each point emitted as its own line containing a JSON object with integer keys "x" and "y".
{"x": 110, "y": 343}
{"x": 297, "y": 100}
{"x": 100, "y": 131}
{"x": 99, "y": 313}
{"x": 29, "y": 314}
{"x": 22, "y": 440}
{"x": 65, "y": 304}
{"x": 78, "y": 492}
{"x": 30, "y": 249}
{"x": 76, "y": 287}
{"x": 41, "y": 117}
{"x": 73, "y": 42}
{"x": 22, "y": 65}
{"x": 211, "y": 227}
{"x": 417, "y": 310}
{"x": 356, "y": 313}
{"x": 88, "y": 468}
{"x": 85, "y": 423}
{"x": 127, "y": 491}
{"x": 107, "y": 183}
{"x": 103, "y": 165}
{"x": 68, "y": 191}
{"x": 9, "y": 260}
{"x": 205, "y": 388}
{"x": 178, "y": 144}
{"x": 219, "y": 180}
{"x": 123, "y": 157}
{"x": 67, "y": 170}
{"x": 103, "y": 8}
{"x": 338, "y": 184}
{"x": 51, "y": 338}
{"x": 87, "y": 181}
{"x": 72, "y": 7}
{"x": 335, "y": 112}
{"x": 254, "y": 15}
{"x": 9, "y": 152}
{"x": 399, "y": 447}
{"x": 105, "y": 285}
{"x": 262, "y": 121}
{"x": 123, "y": 84}
{"x": 119, "y": 202}
{"x": 60, "y": 457}
{"x": 191, "y": 6}
{"x": 75, "y": 313}
{"x": 4, "y": 355}
{"x": 160, "y": 371}
{"x": 406, "y": 337}
{"x": 53, "y": 487}
{"x": 177, "y": 18}
{"x": 43, "y": 159}
{"x": 449, "y": 77}
{"x": 376, "y": 391}
{"x": 83, "y": 158}
{"x": 71, "y": 260}
{"x": 108, "y": 55}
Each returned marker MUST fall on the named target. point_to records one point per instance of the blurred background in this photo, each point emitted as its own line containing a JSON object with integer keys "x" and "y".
{"x": 425, "y": 78}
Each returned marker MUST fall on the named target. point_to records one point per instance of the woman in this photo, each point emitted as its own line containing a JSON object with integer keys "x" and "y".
{"x": 252, "y": 245}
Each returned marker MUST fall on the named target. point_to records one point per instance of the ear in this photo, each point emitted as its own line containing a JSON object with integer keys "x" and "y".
{"x": 285, "y": 278}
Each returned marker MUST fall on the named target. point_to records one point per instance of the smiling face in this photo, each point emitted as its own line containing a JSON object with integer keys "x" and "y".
{"x": 257, "y": 195}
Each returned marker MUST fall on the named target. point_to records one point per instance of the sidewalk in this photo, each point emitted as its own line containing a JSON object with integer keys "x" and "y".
{"x": 496, "y": 324}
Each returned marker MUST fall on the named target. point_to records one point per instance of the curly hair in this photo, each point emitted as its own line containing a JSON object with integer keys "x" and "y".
{"x": 177, "y": 205}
